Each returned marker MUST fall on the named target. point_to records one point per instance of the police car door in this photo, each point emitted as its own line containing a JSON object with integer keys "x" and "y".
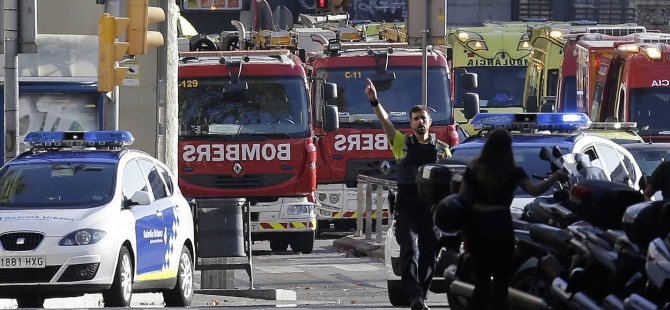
{"x": 165, "y": 207}
{"x": 616, "y": 169}
{"x": 148, "y": 224}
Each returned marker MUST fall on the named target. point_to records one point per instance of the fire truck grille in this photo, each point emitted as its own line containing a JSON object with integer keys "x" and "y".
{"x": 21, "y": 241}
{"x": 376, "y": 168}
{"x": 230, "y": 182}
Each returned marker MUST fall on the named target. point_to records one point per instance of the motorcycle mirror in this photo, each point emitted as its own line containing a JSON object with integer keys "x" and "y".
{"x": 545, "y": 153}
{"x": 576, "y": 280}
{"x": 556, "y": 151}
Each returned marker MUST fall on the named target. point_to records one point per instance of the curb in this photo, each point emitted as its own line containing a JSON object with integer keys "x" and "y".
{"x": 269, "y": 294}
{"x": 360, "y": 247}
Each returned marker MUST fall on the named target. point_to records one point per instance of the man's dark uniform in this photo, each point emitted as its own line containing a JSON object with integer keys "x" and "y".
{"x": 415, "y": 231}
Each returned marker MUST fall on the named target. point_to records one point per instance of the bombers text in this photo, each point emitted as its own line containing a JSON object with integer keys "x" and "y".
{"x": 236, "y": 152}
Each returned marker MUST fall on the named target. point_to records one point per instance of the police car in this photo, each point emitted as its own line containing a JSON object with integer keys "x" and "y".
{"x": 80, "y": 213}
{"x": 530, "y": 132}
{"x": 571, "y": 132}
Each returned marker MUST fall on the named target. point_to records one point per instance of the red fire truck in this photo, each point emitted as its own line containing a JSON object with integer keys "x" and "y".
{"x": 587, "y": 56}
{"x": 360, "y": 146}
{"x": 633, "y": 86}
{"x": 245, "y": 130}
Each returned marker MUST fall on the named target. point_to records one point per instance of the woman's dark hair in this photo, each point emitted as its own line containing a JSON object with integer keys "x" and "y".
{"x": 496, "y": 161}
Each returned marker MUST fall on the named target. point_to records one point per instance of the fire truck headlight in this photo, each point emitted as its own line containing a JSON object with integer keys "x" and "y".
{"x": 334, "y": 198}
{"x": 299, "y": 209}
{"x": 82, "y": 237}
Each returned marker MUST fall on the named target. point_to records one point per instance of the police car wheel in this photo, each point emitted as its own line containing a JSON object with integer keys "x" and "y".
{"x": 30, "y": 301}
{"x": 396, "y": 293}
{"x": 278, "y": 244}
{"x": 121, "y": 292}
{"x": 182, "y": 294}
{"x": 303, "y": 242}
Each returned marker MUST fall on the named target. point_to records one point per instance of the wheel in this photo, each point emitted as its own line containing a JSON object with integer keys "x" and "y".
{"x": 182, "y": 294}
{"x": 397, "y": 295}
{"x": 30, "y": 301}
{"x": 278, "y": 244}
{"x": 121, "y": 292}
{"x": 303, "y": 242}
{"x": 527, "y": 280}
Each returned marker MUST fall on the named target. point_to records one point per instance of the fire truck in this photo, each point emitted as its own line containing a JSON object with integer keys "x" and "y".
{"x": 245, "y": 130}
{"x": 550, "y": 76}
{"x": 498, "y": 53}
{"x": 633, "y": 86}
{"x": 360, "y": 146}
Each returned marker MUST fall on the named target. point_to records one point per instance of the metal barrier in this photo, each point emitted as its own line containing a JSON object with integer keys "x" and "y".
{"x": 366, "y": 185}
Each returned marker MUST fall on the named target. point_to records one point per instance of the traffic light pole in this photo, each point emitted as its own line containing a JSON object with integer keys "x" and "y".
{"x": 11, "y": 92}
{"x": 113, "y": 7}
{"x": 424, "y": 56}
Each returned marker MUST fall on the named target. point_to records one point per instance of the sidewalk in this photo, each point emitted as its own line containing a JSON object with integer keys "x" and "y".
{"x": 360, "y": 246}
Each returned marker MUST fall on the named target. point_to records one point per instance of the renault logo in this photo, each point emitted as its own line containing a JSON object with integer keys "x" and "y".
{"x": 237, "y": 168}
{"x": 20, "y": 241}
{"x": 385, "y": 167}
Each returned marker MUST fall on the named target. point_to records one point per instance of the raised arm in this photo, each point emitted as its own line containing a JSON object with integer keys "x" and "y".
{"x": 537, "y": 189}
{"x": 383, "y": 117}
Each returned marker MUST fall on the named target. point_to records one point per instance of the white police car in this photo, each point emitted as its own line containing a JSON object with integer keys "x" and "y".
{"x": 530, "y": 132}
{"x": 81, "y": 213}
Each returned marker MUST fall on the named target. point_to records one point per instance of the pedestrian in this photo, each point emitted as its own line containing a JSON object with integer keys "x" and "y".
{"x": 415, "y": 232}
{"x": 488, "y": 183}
{"x": 659, "y": 181}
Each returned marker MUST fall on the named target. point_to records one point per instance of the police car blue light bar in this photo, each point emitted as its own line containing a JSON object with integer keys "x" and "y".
{"x": 90, "y": 138}
{"x": 540, "y": 121}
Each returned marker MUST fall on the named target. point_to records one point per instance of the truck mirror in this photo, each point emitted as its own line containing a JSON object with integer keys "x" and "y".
{"x": 470, "y": 105}
{"x": 232, "y": 88}
{"x": 531, "y": 104}
{"x": 470, "y": 81}
{"x": 331, "y": 118}
{"x": 329, "y": 91}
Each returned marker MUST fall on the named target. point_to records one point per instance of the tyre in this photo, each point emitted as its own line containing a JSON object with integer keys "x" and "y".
{"x": 303, "y": 242}
{"x": 121, "y": 292}
{"x": 397, "y": 295}
{"x": 30, "y": 301}
{"x": 182, "y": 294}
{"x": 278, "y": 244}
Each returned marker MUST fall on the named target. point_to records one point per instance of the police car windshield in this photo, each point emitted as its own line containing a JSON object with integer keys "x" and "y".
{"x": 398, "y": 96}
{"x": 56, "y": 185}
{"x": 502, "y": 86}
{"x": 649, "y": 158}
{"x": 270, "y": 105}
{"x": 527, "y": 157}
{"x": 650, "y": 107}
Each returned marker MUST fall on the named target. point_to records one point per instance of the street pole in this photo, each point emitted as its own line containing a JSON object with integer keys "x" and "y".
{"x": 168, "y": 58}
{"x": 113, "y": 7}
{"x": 11, "y": 31}
{"x": 424, "y": 58}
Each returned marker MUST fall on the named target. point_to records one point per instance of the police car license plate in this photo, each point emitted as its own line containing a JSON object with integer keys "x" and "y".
{"x": 22, "y": 262}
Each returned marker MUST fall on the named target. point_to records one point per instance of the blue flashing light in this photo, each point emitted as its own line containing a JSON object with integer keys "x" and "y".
{"x": 109, "y": 138}
{"x": 56, "y": 139}
{"x": 540, "y": 121}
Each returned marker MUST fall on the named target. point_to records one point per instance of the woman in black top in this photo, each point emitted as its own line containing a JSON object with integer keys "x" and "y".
{"x": 489, "y": 183}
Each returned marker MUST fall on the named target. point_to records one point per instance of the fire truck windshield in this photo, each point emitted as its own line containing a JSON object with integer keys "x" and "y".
{"x": 397, "y": 96}
{"x": 499, "y": 87}
{"x": 650, "y": 107}
{"x": 271, "y": 105}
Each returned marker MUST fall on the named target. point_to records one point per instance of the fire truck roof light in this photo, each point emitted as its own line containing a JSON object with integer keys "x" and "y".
{"x": 631, "y": 48}
{"x": 58, "y": 139}
{"x": 274, "y": 52}
{"x": 652, "y": 38}
{"x": 540, "y": 121}
{"x": 653, "y": 52}
{"x": 614, "y": 125}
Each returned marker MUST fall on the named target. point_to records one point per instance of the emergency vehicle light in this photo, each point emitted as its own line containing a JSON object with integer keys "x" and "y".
{"x": 67, "y": 139}
{"x": 653, "y": 52}
{"x": 630, "y": 48}
{"x": 614, "y": 125}
{"x": 276, "y": 52}
{"x": 541, "y": 121}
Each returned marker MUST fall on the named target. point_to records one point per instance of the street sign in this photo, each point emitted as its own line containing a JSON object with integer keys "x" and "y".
{"x": 132, "y": 78}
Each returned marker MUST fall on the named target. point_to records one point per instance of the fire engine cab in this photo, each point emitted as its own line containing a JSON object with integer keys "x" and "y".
{"x": 245, "y": 130}
{"x": 359, "y": 145}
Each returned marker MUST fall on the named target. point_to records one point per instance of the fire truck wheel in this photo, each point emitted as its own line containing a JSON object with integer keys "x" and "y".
{"x": 303, "y": 242}
{"x": 278, "y": 244}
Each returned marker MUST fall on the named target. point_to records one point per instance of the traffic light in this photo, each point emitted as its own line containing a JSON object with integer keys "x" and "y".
{"x": 141, "y": 15}
{"x": 110, "y": 51}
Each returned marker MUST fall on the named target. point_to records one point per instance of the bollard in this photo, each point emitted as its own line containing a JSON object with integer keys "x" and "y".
{"x": 360, "y": 207}
{"x": 380, "y": 214}
{"x": 368, "y": 211}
